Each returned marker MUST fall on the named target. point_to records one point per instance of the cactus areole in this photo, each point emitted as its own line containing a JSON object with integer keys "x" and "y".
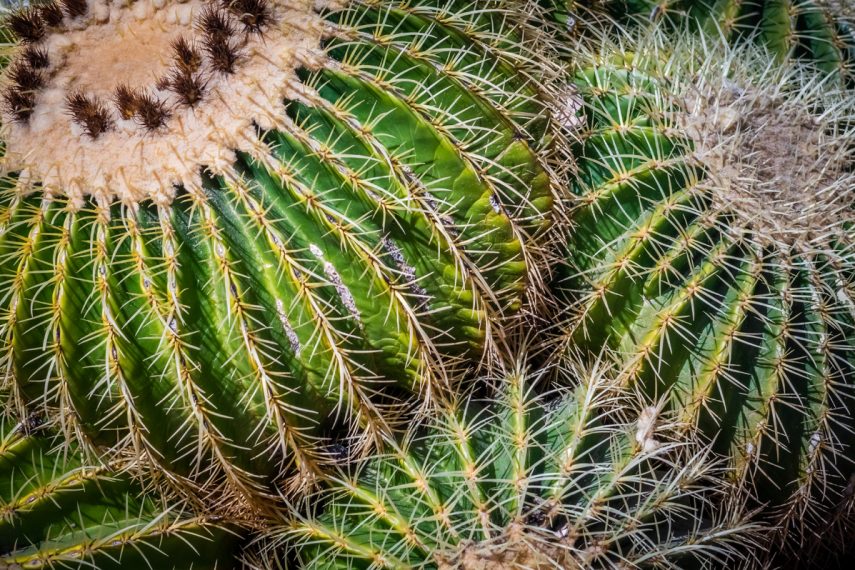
{"x": 232, "y": 229}
{"x": 126, "y": 102}
{"x": 715, "y": 250}
{"x": 57, "y": 511}
{"x": 584, "y": 479}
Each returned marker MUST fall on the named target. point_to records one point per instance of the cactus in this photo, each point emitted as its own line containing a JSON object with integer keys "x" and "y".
{"x": 232, "y": 231}
{"x": 57, "y": 511}
{"x": 819, "y": 31}
{"x": 713, "y": 249}
{"x": 569, "y": 479}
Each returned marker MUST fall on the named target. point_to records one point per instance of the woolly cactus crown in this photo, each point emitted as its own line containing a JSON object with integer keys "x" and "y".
{"x": 234, "y": 229}
{"x": 714, "y": 249}
{"x": 775, "y": 145}
{"x": 129, "y": 101}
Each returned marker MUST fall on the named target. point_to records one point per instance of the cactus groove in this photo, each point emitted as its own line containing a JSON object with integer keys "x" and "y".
{"x": 57, "y": 511}
{"x": 569, "y": 480}
{"x": 819, "y": 31}
{"x": 714, "y": 250}
{"x": 361, "y": 242}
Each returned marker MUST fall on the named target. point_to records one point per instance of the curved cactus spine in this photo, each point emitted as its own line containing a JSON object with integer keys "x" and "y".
{"x": 819, "y": 31}
{"x": 713, "y": 248}
{"x": 337, "y": 253}
{"x": 57, "y": 511}
{"x": 524, "y": 481}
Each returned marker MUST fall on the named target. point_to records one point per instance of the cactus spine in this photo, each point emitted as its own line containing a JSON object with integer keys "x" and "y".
{"x": 217, "y": 279}
{"x": 579, "y": 479}
{"x": 714, "y": 250}
{"x": 818, "y": 31}
{"x": 57, "y": 511}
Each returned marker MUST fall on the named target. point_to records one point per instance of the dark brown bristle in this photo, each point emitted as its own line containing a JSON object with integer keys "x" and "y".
{"x": 218, "y": 29}
{"x": 215, "y": 23}
{"x": 222, "y": 54}
{"x": 253, "y": 14}
{"x": 127, "y": 101}
{"x": 162, "y": 83}
{"x": 51, "y": 13}
{"x": 89, "y": 112}
{"x": 189, "y": 87}
{"x": 19, "y": 104}
{"x": 151, "y": 112}
{"x": 187, "y": 55}
{"x": 25, "y": 77}
{"x": 75, "y": 8}
{"x": 36, "y": 58}
{"x": 27, "y": 25}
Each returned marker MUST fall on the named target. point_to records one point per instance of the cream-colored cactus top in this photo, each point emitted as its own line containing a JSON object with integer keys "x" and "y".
{"x": 132, "y": 99}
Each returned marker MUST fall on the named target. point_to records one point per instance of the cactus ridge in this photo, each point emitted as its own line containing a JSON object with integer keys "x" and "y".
{"x": 361, "y": 247}
{"x": 562, "y": 480}
{"x": 57, "y": 511}
{"x": 726, "y": 288}
{"x": 818, "y": 31}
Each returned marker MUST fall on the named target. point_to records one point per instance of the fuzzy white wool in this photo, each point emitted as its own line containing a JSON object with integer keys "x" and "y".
{"x": 645, "y": 429}
{"x": 117, "y": 43}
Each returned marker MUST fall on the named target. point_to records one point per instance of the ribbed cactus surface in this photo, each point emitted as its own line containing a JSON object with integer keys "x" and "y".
{"x": 819, "y": 31}
{"x": 713, "y": 248}
{"x": 58, "y": 511}
{"x": 387, "y": 217}
{"x": 579, "y": 479}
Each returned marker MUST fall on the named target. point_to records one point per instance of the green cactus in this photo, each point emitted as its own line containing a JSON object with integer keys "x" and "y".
{"x": 714, "y": 248}
{"x": 342, "y": 250}
{"x": 819, "y": 31}
{"x": 571, "y": 479}
{"x": 57, "y": 511}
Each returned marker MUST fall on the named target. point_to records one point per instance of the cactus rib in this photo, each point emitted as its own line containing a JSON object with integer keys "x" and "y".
{"x": 364, "y": 223}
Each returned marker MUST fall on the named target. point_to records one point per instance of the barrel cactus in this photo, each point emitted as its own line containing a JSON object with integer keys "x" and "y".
{"x": 714, "y": 249}
{"x": 233, "y": 229}
{"x": 819, "y": 31}
{"x": 57, "y": 511}
{"x": 571, "y": 479}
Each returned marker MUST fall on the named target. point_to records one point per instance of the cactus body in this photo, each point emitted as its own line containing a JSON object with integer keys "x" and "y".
{"x": 57, "y": 511}
{"x": 713, "y": 248}
{"x": 822, "y": 32}
{"x": 335, "y": 246}
{"x": 563, "y": 481}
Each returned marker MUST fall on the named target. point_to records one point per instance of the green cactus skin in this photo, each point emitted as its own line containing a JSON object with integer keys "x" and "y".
{"x": 373, "y": 251}
{"x": 524, "y": 481}
{"x": 822, "y": 32}
{"x": 57, "y": 511}
{"x": 748, "y": 330}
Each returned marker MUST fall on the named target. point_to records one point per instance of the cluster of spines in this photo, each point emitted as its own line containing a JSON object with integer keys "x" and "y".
{"x": 30, "y": 24}
{"x": 532, "y": 481}
{"x": 26, "y": 77}
{"x": 185, "y": 79}
{"x": 220, "y": 42}
{"x": 218, "y": 38}
{"x": 27, "y": 25}
{"x": 431, "y": 245}
{"x": 89, "y": 112}
{"x": 789, "y": 29}
{"x": 751, "y": 341}
{"x": 58, "y": 511}
{"x": 253, "y": 14}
